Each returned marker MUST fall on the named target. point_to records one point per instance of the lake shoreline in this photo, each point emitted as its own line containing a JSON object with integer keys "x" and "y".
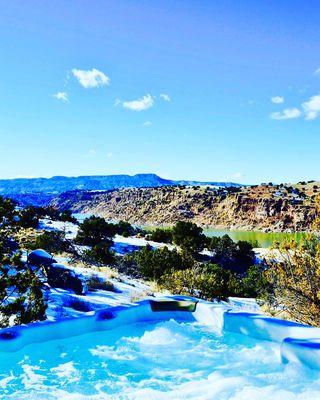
{"x": 264, "y": 239}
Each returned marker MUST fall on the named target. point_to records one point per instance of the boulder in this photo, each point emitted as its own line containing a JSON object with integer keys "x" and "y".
{"x": 40, "y": 257}
{"x": 59, "y": 276}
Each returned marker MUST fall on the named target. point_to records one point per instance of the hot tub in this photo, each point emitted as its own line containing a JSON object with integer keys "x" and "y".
{"x": 172, "y": 348}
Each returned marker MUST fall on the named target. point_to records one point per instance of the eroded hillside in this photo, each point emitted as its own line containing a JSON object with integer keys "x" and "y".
{"x": 262, "y": 207}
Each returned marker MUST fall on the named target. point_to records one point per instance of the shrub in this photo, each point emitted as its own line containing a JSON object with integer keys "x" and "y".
{"x": 295, "y": 281}
{"x": 252, "y": 284}
{"x": 212, "y": 282}
{"x": 51, "y": 241}
{"x": 208, "y": 282}
{"x": 28, "y": 218}
{"x": 161, "y": 235}
{"x": 94, "y": 230}
{"x": 7, "y": 210}
{"x": 125, "y": 229}
{"x": 128, "y": 265}
{"x": 153, "y": 264}
{"x": 100, "y": 254}
{"x": 236, "y": 256}
{"x": 188, "y": 236}
{"x": 66, "y": 216}
{"x": 21, "y": 296}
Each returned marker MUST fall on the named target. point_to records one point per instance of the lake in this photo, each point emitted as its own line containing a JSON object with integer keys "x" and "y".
{"x": 265, "y": 239}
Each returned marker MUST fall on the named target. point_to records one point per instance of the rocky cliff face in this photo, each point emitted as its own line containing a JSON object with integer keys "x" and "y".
{"x": 266, "y": 208}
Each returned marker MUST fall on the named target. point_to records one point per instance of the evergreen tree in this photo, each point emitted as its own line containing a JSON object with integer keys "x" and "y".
{"x": 21, "y": 297}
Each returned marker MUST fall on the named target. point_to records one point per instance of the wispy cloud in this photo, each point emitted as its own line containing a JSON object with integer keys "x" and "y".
{"x": 147, "y": 123}
{"x": 91, "y": 153}
{"x": 287, "y": 113}
{"x": 24, "y": 176}
{"x": 165, "y": 97}
{"x": 277, "y": 99}
{"x": 141, "y": 104}
{"x": 237, "y": 175}
{"x": 91, "y": 78}
{"x": 62, "y": 96}
{"x": 317, "y": 72}
{"x": 311, "y": 108}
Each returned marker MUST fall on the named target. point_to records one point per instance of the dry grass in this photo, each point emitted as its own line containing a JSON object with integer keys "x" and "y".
{"x": 137, "y": 296}
{"x": 109, "y": 272}
{"x": 97, "y": 283}
{"x": 26, "y": 235}
{"x": 282, "y": 314}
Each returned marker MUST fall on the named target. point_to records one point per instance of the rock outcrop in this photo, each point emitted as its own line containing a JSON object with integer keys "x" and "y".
{"x": 57, "y": 275}
{"x": 265, "y": 207}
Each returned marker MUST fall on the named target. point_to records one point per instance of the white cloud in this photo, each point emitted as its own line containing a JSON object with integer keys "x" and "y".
{"x": 140, "y": 104}
{"x": 287, "y": 113}
{"x": 91, "y": 78}
{"x": 165, "y": 97}
{"x": 147, "y": 123}
{"x": 62, "y": 96}
{"x": 311, "y": 108}
{"x": 317, "y": 71}
{"x": 277, "y": 99}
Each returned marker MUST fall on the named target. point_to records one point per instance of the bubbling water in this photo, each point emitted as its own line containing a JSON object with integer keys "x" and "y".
{"x": 166, "y": 360}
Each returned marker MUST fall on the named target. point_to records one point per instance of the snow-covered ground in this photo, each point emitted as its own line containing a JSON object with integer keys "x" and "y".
{"x": 71, "y": 230}
{"x": 64, "y": 303}
{"x": 124, "y": 290}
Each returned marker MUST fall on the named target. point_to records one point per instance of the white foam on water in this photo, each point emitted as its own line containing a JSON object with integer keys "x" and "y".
{"x": 4, "y": 381}
{"x": 67, "y": 371}
{"x": 161, "y": 337}
{"x": 30, "y": 378}
{"x": 111, "y": 352}
{"x": 162, "y": 361}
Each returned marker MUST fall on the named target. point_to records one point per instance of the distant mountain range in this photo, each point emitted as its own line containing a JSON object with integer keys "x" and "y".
{"x": 60, "y": 184}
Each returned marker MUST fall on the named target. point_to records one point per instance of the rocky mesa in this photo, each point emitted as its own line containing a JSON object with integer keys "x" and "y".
{"x": 265, "y": 207}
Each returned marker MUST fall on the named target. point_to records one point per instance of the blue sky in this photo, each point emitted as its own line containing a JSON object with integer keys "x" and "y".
{"x": 208, "y": 90}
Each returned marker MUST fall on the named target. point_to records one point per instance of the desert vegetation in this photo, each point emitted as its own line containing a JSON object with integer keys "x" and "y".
{"x": 21, "y": 297}
{"x": 186, "y": 262}
{"x": 294, "y": 281}
{"x": 227, "y": 270}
